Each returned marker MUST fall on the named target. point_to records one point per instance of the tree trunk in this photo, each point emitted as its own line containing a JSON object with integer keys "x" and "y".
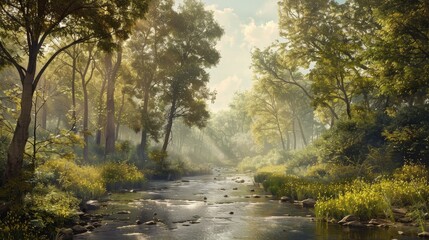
{"x": 121, "y": 109}
{"x": 145, "y": 123}
{"x": 99, "y": 114}
{"x": 169, "y": 126}
{"x": 304, "y": 140}
{"x": 110, "y": 103}
{"x": 85, "y": 121}
{"x": 44, "y": 117}
{"x": 281, "y": 134}
{"x": 294, "y": 134}
{"x": 15, "y": 154}
{"x": 73, "y": 89}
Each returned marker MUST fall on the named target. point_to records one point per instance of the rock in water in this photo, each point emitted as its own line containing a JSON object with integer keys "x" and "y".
{"x": 284, "y": 199}
{"x": 150, "y": 223}
{"x": 123, "y": 212}
{"x": 353, "y": 224}
{"x": 308, "y": 203}
{"x": 65, "y": 234}
{"x": 91, "y": 205}
{"x": 348, "y": 218}
{"x": 90, "y": 227}
{"x": 78, "y": 229}
{"x": 96, "y": 224}
{"x": 424, "y": 234}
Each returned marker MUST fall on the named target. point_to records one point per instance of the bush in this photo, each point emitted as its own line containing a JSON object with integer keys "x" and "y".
{"x": 119, "y": 175}
{"x": 17, "y": 225}
{"x": 408, "y": 134}
{"x": 274, "y": 157}
{"x": 52, "y": 202}
{"x": 371, "y": 200}
{"x": 84, "y": 181}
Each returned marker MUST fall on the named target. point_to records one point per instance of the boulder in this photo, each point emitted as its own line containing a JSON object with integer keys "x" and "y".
{"x": 348, "y": 218}
{"x": 91, "y": 205}
{"x": 284, "y": 199}
{"x": 123, "y": 212}
{"x": 308, "y": 203}
{"x": 65, "y": 234}
{"x": 138, "y": 222}
{"x": 353, "y": 224}
{"x": 97, "y": 224}
{"x": 90, "y": 227}
{"x": 78, "y": 229}
{"x": 423, "y": 235}
{"x": 405, "y": 220}
{"x": 256, "y": 196}
{"x": 399, "y": 211}
{"x": 150, "y": 223}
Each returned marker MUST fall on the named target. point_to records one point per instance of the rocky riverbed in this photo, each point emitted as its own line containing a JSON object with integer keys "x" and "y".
{"x": 225, "y": 205}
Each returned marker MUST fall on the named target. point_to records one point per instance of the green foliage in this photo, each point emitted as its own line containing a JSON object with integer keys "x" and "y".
{"x": 84, "y": 181}
{"x": 349, "y": 141}
{"x": 369, "y": 200}
{"x": 298, "y": 188}
{"x": 117, "y": 175}
{"x": 17, "y": 225}
{"x": 52, "y": 202}
{"x": 274, "y": 157}
{"x": 408, "y": 135}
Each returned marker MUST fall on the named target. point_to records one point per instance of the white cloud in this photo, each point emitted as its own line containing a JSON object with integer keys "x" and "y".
{"x": 261, "y": 35}
{"x": 269, "y": 10}
{"x": 225, "y": 91}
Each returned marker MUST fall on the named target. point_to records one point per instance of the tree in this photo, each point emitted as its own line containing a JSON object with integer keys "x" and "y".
{"x": 111, "y": 73}
{"x": 85, "y": 68}
{"x": 191, "y": 50}
{"x": 400, "y": 53}
{"x": 28, "y": 28}
{"x": 269, "y": 114}
{"x": 324, "y": 38}
{"x": 147, "y": 46}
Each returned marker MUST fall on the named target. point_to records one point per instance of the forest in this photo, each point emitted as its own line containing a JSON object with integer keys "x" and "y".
{"x": 101, "y": 97}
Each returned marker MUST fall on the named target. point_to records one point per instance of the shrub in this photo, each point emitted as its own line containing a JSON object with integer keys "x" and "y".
{"x": 117, "y": 175}
{"x": 52, "y": 202}
{"x": 371, "y": 200}
{"x": 17, "y": 225}
{"x": 84, "y": 181}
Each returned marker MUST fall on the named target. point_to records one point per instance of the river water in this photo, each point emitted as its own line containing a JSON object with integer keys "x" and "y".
{"x": 230, "y": 211}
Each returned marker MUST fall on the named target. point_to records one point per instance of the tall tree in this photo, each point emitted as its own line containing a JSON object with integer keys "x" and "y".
{"x": 112, "y": 67}
{"x": 191, "y": 51}
{"x": 29, "y": 27}
{"x": 147, "y": 46}
{"x": 323, "y": 38}
{"x": 85, "y": 68}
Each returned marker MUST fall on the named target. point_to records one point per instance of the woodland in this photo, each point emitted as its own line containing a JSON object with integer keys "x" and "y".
{"x": 101, "y": 95}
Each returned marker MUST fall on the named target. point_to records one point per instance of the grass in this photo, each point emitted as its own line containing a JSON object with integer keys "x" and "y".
{"x": 408, "y": 188}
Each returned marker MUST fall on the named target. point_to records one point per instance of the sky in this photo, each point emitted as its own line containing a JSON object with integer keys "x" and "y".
{"x": 247, "y": 24}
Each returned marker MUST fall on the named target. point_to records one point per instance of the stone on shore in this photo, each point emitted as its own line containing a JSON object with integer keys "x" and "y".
{"x": 348, "y": 218}
{"x": 308, "y": 203}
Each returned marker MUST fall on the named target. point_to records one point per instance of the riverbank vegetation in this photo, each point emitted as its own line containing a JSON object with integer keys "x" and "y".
{"x": 104, "y": 95}
{"x": 88, "y": 90}
{"x": 338, "y": 109}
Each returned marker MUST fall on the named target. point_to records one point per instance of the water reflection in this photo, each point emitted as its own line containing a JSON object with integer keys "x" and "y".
{"x": 187, "y": 216}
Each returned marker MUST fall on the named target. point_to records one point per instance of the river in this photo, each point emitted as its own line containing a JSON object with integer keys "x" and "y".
{"x": 231, "y": 210}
